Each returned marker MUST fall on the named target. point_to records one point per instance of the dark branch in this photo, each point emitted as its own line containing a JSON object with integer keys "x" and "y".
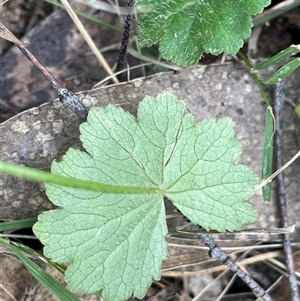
{"x": 126, "y": 34}
{"x": 279, "y": 103}
{"x": 217, "y": 253}
{"x": 68, "y": 98}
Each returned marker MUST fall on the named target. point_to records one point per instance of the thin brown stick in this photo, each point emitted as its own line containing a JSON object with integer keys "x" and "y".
{"x": 6, "y": 34}
{"x": 279, "y": 102}
{"x": 88, "y": 39}
{"x": 277, "y": 172}
{"x": 68, "y": 98}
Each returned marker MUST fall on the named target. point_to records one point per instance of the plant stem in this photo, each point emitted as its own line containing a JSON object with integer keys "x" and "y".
{"x": 47, "y": 177}
{"x": 255, "y": 77}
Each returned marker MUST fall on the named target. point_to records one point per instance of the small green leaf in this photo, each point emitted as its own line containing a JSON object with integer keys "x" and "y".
{"x": 267, "y": 164}
{"x": 283, "y": 72}
{"x": 277, "y": 58}
{"x": 116, "y": 242}
{"x": 187, "y": 28}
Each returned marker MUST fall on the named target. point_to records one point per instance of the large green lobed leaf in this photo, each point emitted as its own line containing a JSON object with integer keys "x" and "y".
{"x": 184, "y": 29}
{"x": 115, "y": 242}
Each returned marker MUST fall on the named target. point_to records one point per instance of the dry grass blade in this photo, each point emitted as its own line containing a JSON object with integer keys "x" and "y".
{"x": 169, "y": 272}
{"x": 258, "y": 258}
{"x": 7, "y": 35}
{"x": 153, "y": 61}
{"x": 106, "y": 79}
{"x": 7, "y": 292}
{"x": 277, "y": 172}
{"x": 272, "y": 286}
{"x": 88, "y": 39}
{"x": 257, "y": 232}
{"x": 101, "y": 5}
{"x": 279, "y": 267}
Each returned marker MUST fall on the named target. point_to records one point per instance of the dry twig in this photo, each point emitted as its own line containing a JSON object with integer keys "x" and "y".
{"x": 279, "y": 103}
{"x": 88, "y": 39}
{"x": 126, "y": 34}
{"x": 68, "y": 98}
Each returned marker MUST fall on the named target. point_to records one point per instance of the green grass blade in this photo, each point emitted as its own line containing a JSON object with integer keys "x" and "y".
{"x": 19, "y": 224}
{"x": 271, "y": 14}
{"x": 44, "y": 278}
{"x": 267, "y": 166}
{"x": 279, "y": 57}
{"x": 283, "y": 72}
{"x": 36, "y": 254}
